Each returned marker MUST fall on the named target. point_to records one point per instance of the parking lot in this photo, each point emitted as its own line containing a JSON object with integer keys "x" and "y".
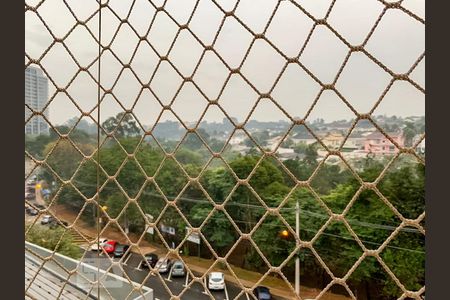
{"x": 131, "y": 265}
{"x": 132, "y": 268}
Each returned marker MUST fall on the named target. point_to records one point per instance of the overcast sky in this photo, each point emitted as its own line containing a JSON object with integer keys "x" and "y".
{"x": 397, "y": 42}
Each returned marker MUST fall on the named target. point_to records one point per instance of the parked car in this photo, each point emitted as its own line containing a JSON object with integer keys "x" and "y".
{"x": 94, "y": 246}
{"x": 178, "y": 268}
{"x": 29, "y": 196}
{"x": 47, "y": 219}
{"x": 262, "y": 293}
{"x": 120, "y": 250}
{"x": 39, "y": 206}
{"x": 150, "y": 260}
{"x": 163, "y": 265}
{"x": 55, "y": 223}
{"x": 216, "y": 281}
{"x": 31, "y": 211}
{"x": 110, "y": 246}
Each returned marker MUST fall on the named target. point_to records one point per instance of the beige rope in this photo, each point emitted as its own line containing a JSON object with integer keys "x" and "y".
{"x": 239, "y": 127}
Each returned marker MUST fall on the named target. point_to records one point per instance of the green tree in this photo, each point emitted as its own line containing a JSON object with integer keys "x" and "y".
{"x": 54, "y": 239}
{"x": 218, "y": 183}
{"x": 404, "y": 188}
{"x": 300, "y": 169}
{"x": 409, "y": 132}
{"x": 193, "y": 142}
{"x": 218, "y": 230}
{"x": 288, "y": 143}
{"x": 36, "y": 145}
{"x": 329, "y": 177}
{"x": 123, "y": 124}
{"x": 64, "y": 158}
{"x": 300, "y": 148}
{"x": 275, "y": 248}
{"x": 311, "y": 155}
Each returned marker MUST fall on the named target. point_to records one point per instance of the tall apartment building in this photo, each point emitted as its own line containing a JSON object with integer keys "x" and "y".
{"x": 36, "y": 96}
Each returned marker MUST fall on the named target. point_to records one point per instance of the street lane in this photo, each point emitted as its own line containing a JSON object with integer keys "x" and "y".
{"x": 136, "y": 274}
{"x": 131, "y": 266}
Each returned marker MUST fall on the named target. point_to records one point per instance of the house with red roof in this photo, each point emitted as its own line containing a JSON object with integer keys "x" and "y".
{"x": 378, "y": 143}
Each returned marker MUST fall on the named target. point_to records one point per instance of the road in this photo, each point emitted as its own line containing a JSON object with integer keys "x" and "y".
{"x": 176, "y": 285}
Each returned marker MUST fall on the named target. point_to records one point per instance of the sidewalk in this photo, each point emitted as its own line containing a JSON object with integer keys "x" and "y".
{"x": 199, "y": 265}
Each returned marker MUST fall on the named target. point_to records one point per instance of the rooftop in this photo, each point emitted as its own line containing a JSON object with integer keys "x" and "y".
{"x": 47, "y": 285}
{"x": 379, "y": 135}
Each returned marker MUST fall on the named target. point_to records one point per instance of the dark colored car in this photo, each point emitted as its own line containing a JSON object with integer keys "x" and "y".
{"x": 262, "y": 293}
{"x": 55, "y": 223}
{"x": 31, "y": 211}
{"x": 120, "y": 250}
{"x": 150, "y": 259}
{"x": 39, "y": 206}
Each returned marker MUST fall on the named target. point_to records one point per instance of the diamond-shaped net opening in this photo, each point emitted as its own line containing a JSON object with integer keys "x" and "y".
{"x": 278, "y": 144}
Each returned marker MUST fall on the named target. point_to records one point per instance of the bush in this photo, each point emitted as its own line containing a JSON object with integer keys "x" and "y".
{"x": 54, "y": 239}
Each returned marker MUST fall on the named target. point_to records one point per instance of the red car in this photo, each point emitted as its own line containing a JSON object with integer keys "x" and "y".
{"x": 110, "y": 246}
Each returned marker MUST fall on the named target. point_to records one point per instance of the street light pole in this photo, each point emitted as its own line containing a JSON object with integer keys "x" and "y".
{"x": 297, "y": 259}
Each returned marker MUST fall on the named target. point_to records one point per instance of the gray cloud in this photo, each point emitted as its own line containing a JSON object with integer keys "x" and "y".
{"x": 397, "y": 42}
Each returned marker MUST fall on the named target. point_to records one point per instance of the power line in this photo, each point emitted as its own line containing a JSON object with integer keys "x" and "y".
{"x": 333, "y": 235}
{"x": 370, "y": 225}
{"x": 311, "y": 213}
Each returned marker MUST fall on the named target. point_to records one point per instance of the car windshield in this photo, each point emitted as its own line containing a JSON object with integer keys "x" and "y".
{"x": 264, "y": 293}
{"x": 178, "y": 266}
{"x": 216, "y": 279}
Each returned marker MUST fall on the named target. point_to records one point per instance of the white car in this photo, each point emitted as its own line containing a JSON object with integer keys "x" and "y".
{"x": 46, "y": 219}
{"x": 216, "y": 281}
{"x": 163, "y": 265}
{"x": 94, "y": 246}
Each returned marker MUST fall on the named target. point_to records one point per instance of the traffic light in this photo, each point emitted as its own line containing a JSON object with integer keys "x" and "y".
{"x": 285, "y": 234}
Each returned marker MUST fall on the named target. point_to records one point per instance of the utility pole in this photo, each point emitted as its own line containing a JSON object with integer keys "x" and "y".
{"x": 126, "y": 222}
{"x": 297, "y": 259}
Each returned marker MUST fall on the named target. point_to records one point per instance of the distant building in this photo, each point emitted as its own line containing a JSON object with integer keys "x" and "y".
{"x": 304, "y": 137}
{"x": 272, "y": 143}
{"x": 36, "y": 97}
{"x": 288, "y": 153}
{"x": 354, "y": 142}
{"x": 420, "y": 148}
{"x": 378, "y": 143}
{"x": 242, "y": 149}
{"x": 333, "y": 140}
{"x": 237, "y": 139}
{"x": 356, "y": 154}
